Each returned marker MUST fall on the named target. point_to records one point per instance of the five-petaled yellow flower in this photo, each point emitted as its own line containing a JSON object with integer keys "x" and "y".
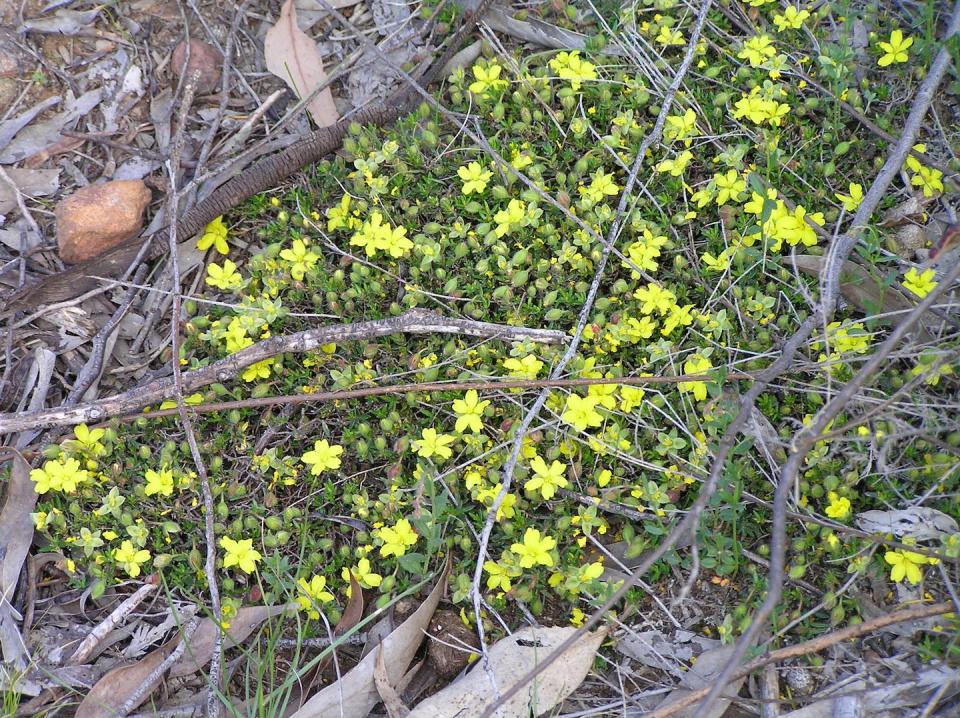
{"x": 158, "y": 482}
{"x": 474, "y": 177}
{"x": 396, "y": 539}
{"x": 433, "y": 444}
{"x": 896, "y": 50}
{"x": 906, "y": 564}
{"x": 580, "y": 411}
{"x": 301, "y": 259}
{"x": 323, "y": 456}
{"x": 535, "y": 549}
{"x": 129, "y": 559}
{"x": 313, "y": 594}
{"x": 546, "y": 479}
{"x": 851, "y": 201}
{"x": 839, "y": 507}
{"x": 469, "y": 412}
{"x": 920, "y": 283}
{"x": 214, "y": 235}
{"x": 225, "y": 277}
{"x": 240, "y": 553}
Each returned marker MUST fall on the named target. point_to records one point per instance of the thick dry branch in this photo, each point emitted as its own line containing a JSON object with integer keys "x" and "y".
{"x": 415, "y": 321}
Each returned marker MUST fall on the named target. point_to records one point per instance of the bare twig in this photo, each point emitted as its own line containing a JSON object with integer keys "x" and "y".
{"x": 417, "y": 321}
{"x": 89, "y": 644}
{"x": 157, "y": 673}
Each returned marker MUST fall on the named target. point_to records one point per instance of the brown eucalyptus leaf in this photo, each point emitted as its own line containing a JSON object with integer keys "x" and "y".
{"x": 113, "y": 690}
{"x": 293, "y": 56}
{"x": 861, "y": 288}
{"x": 355, "y": 695}
{"x": 708, "y": 666}
{"x": 197, "y": 654}
{"x": 510, "y": 659}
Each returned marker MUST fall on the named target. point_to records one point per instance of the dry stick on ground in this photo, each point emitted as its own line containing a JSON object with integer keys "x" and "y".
{"x": 814, "y": 645}
{"x": 825, "y": 309}
{"x": 416, "y": 321}
{"x": 506, "y": 476}
{"x": 805, "y": 440}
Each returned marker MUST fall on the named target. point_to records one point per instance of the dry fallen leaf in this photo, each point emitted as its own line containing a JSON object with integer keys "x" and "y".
{"x": 30, "y": 183}
{"x": 708, "y": 666}
{"x": 920, "y": 523}
{"x": 866, "y": 292}
{"x": 113, "y": 690}
{"x": 293, "y": 57}
{"x": 198, "y": 653}
{"x": 355, "y": 695}
{"x": 510, "y": 659}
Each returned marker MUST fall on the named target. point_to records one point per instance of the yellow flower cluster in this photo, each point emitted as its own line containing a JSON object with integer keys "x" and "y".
{"x": 762, "y": 107}
{"x": 570, "y": 66}
{"x": 782, "y": 225}
{"x": 375, "y": 236}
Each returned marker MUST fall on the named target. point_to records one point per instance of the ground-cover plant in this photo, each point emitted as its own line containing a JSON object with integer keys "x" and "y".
{"x": 756, "y": 165}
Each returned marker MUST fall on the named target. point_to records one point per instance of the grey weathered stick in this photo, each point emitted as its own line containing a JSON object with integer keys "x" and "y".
{"x": 415, "y": 321}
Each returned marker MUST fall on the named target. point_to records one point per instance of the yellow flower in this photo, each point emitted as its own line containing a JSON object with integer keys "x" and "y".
{"x": 323, "y": 456}
{"x": 87, "y": 440}
{"x": 487, "y": 78}
{"x": 225, "y": 277}
{"x": 526, "y": 368}
{"x": 920, "y": 284}
{"x": 64, "y": 475}
{"x": 469, "y": 411}
{"x": 511, "y": 218}
{"x": 668, "y": 36}
{"x": 570, "y": 66}
{"x": 260, "y": 370}
{"x": 240, "y": 554}
{"x": 535, "y": 549}
{"x": 839, "y": 507}
{"x": 546, "y": 478}
{"x": 601, "y": 186}
{"x": 474, "y": 178}
{"x": 757, "y": 49}
{"x": 630, "y": 398}
{"x": 396, "y": 539}
{"x": 433, "y": 444}
{"x": 581, "y": 412}
{"x": 730, "y": 186}
{"x": 215, "y": 235}
{"x": 696, "y": 364}
{"x": 365, "y": 577}
{"x": 501, "y": 573}
{"x": 159, "y": 482}
{"x": 676, "y": 166}
{"x": 896, "y": 50}
{"x": 655, "y": 298}
{"x": 313, "y": 593}
{"x": 680, "y": 127}
{"x": 906, "y": 564}
{"x": 129, "y": 558}
{"x": 851, "y": 201}
{"x": 301, "y": 259}
{"x": 929, "y": 180}
{"x": 792, "y": 18}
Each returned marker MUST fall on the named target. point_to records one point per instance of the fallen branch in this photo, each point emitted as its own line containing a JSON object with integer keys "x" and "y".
{"x": 415, "y": 321}
{"x": 814, "y": 645}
